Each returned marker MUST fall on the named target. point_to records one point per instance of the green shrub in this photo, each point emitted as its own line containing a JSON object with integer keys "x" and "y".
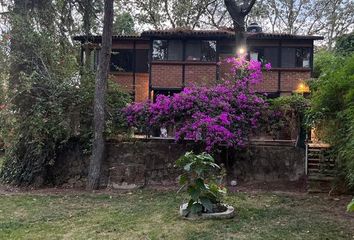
{"x": 332, "y": 112}
{"x": 285, "y": 116}
{"x": 202, "y": 179}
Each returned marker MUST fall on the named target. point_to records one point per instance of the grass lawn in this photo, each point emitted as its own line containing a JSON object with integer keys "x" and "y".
{"x": 150, "y": 214}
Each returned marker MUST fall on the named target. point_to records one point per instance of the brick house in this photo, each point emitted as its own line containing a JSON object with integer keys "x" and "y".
{"x": 164, "y": 61}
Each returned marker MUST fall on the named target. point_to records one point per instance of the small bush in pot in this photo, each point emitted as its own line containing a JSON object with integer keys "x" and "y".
{"x": 202, "y": 179}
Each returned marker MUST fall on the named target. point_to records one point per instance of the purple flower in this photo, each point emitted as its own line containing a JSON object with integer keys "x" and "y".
{"x": 268, "y": 66}
{"x": 222, "y": 114}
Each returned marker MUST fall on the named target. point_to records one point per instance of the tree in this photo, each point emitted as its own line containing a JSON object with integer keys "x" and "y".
{"x": 99, "y": 100}
{"x": 123, "y": 24}
{"x": 238, "y": 14}
{"x": 345, "y": 44}
{"x": 162, "y": 14}
{"x": 36, "y": 119}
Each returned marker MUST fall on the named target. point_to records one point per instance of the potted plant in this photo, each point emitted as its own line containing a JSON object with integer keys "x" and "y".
{"x": 202, "y": 179}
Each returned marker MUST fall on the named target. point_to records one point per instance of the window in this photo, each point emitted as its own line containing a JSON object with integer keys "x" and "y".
{"x": 209, "y": 51}
{"x": 175, "y": 50}
{"x": 302, "y": 57}
{"x": 167, "y": 50}
{"x": 201, "y": 51}
{"x": 296, "y": 57}
{"x": 141, "y": 60}
{"x": 122, "y": 60}
{"x": 160, "y": 49}
{"x": 195, "y": 50}
{"x": 266, "y": 55}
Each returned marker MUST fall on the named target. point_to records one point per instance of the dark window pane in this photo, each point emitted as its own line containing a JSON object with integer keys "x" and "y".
{"x": 193, "y": 51}
{"x": 288, "y": 57}
{"x": 227, "y": 49}
{"x": 160, "y": 50}
{"x": 303, "y": 57}
{"x": 175, "y": 50}
{"x": 141, "y": 60}
{"x": 208, "y": 51}
{"x": 271, "y": 56}
{"x": 122, "y": 60}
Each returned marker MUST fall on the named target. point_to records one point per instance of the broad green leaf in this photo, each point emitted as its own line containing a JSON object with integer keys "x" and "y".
{"x": 207, "y": 203}
{"x": 193, "y": 192}
{"x": 196, "y": 208}
{"x": 200, "y": 183}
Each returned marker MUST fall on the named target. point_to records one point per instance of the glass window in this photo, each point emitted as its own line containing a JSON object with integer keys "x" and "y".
{"x": 208, "y": 51}
{"x": 167, "y": 50}
{"x": 122, "y": 60}
{"x": 296, "y": 57}
{"x": 193, "y": 51}
{"x": 141, "y": 60}
{"x": 303, "y": 57}
{"x": 271, "y": 55}
{"x": 288, "y": 57}
{"x": 265, "y": 55}
{"x": 175, "y": 50}
{"x": 160, "y": 50}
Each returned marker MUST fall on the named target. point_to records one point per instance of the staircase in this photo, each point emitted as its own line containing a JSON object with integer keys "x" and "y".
{"x": 320, "y": 168}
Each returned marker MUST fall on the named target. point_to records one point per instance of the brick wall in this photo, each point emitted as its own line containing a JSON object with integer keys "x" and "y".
{"x": 200, "y": 75}
{"x": 166, "y": 75}
{"x": 269, "y": 83}
{"x": 125, "y": 80}
{"x": 141, "y": 87}
{"x": 291, "y": 79}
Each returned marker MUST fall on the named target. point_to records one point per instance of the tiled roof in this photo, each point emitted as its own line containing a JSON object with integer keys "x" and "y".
{"x": 222, "y": 33}
{"x": 83, "y": 38}
{"x": 187, "y": 33}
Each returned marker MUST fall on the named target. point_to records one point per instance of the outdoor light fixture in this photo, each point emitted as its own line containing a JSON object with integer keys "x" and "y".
{"x": 241, "y": 51}
{"x": 302, "y": 88}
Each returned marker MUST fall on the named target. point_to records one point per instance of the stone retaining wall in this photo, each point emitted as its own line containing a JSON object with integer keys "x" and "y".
{"x": 151, "y": 162}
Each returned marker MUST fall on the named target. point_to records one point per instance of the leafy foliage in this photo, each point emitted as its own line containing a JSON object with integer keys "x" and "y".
{"x": 48, "y": 101}
{"x": 345, "y": 44}
{"x": 202, "y": 180}
{"x": 332, "y": 111}
{"x": 285, "y": 114}
{"x": 123, "y": 24}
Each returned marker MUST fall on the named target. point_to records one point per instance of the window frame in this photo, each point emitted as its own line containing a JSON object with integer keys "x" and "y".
{"x": 184, "y": 50}
{"x": 118, "y": 50}
{"x": 280, "y": 48}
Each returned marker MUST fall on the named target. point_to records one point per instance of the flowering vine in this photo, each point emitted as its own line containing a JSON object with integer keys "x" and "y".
{"x": 222, "y": 114}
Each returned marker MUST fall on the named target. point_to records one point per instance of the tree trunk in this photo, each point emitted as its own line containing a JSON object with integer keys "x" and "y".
{"x": 240, "y": 36}
{"x": 238, "y": 13}
{"x": 99, "y": 100}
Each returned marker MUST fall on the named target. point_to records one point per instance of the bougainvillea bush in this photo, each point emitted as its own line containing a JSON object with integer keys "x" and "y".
{"x": 222, "y": 114}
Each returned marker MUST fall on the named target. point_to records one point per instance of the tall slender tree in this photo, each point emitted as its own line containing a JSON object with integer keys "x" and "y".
{"x": 99, "y": 101}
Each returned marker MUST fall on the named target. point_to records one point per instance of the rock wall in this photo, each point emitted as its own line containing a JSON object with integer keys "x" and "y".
{"x": 151, "y": 162}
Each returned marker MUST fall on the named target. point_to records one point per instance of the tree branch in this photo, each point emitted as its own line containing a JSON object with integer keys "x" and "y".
{"x": 249, "y": 7}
